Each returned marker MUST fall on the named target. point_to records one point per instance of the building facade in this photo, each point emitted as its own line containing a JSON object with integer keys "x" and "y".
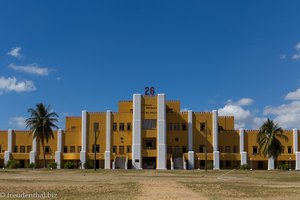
{"x": 149, "y": 132}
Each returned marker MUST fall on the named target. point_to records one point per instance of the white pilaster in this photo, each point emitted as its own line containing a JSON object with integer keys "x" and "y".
{"x": 271, "y": 163}
{"x": 58, "y": 153}
{"x": 161, "y": 132}
{"x": 216, "y": 160}
{"x": 296, "y": 148}
{"x": 32, "y": 154}
{"x": 191, "y": 160}
{"x": 136, "y": 132}
{"x": 108, "y": 141}
{"x": 295, "y": 140}
{"x": 7, "y": 154}
{"x": 83, "y": 138}
{"x": 191, "y": 154}
{"x": 215, "y": 127}
{"x": 190, "y": 130}
{"x": 10, "y": 140}
{"x": 242, "y": 147}
{"x": 297, "y": 167}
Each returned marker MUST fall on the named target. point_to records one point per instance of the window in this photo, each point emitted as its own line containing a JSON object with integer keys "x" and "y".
{"x": 235, "y": 149}
{"x": 47, "y": 149}
{"x": 128, "y": 149}
{"x": 16, "y": 149}
{"x": 169, "y": 149}
{"x": 177, "y": 127}
{"x": 202, "y": 149}
{"x": 72, "y": 149}
{"x": 78, "y": 149}
{"x": 220, "y": 149}
{"x": 184, "y": 149}
{"x": 121, "y": 127}
{"x": 282, "y": 150}
{"x": 183, "y": 127}
{"x": 97, "y": 148}
{"x": 176, "y": 139}
{"x": 290, "y": 150}
{"x": 227, "y": 149}
{"x": 254, "y": 150}
{"x": 121, "y": 149}
{"x": 114, "y": 149}
{"x": 128, "y": 126}
{"x": 150, "y": 144}
{"x": 28, "y": 149}
{"x": 65, "y": 149}
{"x": 149, "y": 124}
{"x": 202, "y": 126}
{"x": 22, "y": 149}
{"x": 0, "y": 149}
{"x": 170, "y": 126}
{"x": 114, "y": 126}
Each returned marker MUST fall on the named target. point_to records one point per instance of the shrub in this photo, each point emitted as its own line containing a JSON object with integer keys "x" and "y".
{"x": 12, "y": 164}
{"x": 244, "y": 167}
{"x": 69, "y": 165}
{"x": 31, "y": 165}
{"x": 52, "y": 165}
{"x": 283, "y": 166}
{"x": 88, "y": 164}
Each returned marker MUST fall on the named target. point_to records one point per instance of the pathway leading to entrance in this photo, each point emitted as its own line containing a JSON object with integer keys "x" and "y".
{"x": 157, "y": 189}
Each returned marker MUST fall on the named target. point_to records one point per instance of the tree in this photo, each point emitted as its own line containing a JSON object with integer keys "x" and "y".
{"x": 268, "y": 139}
{"x": 41, "y": 122}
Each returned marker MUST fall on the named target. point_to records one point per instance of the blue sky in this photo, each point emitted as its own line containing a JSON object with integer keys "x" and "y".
{"x": 236, "y": 56}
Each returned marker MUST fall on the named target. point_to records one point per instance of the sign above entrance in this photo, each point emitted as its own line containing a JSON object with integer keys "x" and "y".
{"x": 149, "y": 91}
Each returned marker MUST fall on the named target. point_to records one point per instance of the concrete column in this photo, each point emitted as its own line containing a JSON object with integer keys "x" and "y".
{"x": 58, "y": 153}
{"x": 7, "y": 154}
{"x": 271, "y": 163}
{"x": 83, "y": 138}
{"x": 215, "y": 127}
{"x": 32, "y": 154}
{"x": 161, "y": 132}
{"x": 242, "y": 147}
{"x": 295, "y": 140}
{"x": 296, "y": 148}
{"x": 191, "y": 154}
{"x": 136, "y": 132}
{"x": 108, "y": 140}
{"x": 297, "y": 161}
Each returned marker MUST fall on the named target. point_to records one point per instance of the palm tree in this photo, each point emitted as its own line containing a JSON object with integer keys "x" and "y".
{"x": 40, "y": 123}
{"x": 268, "y": 139}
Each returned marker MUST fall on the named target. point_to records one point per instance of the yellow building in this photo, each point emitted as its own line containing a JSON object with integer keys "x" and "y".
{"x": 149, "y": 132}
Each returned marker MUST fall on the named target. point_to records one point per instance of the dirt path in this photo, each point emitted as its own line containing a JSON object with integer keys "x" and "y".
{"x": 159, "y": 189}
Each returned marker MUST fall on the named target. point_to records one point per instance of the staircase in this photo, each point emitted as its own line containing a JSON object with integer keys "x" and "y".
{"x": 120, "y": 163}
{"x": 178, "y": 162}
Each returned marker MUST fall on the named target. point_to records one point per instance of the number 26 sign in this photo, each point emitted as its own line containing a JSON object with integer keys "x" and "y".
{"x": 149, "y": 91}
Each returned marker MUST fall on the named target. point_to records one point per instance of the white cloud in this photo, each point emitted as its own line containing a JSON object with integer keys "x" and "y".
{"x": 15, "y": 52}
{"x": 31, "y": 69}
{"x": 243, "y": 118}
{"x": 245, "y": 102}
{"x": 18, "y": 122}
{"x": 11, "y": 84}
{"x": 297, "y": 46}
{"x": 287, "y": 115}
{"x": 184, "y": 110}
{"x": 296, "y": 56}
{"x": 283, "y": 56}
{"x": 58, "y": 78}
{"x": 295, "y": 95}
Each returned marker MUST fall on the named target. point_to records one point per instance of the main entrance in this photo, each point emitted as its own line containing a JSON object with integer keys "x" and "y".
{"x": 149, "y": 163}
